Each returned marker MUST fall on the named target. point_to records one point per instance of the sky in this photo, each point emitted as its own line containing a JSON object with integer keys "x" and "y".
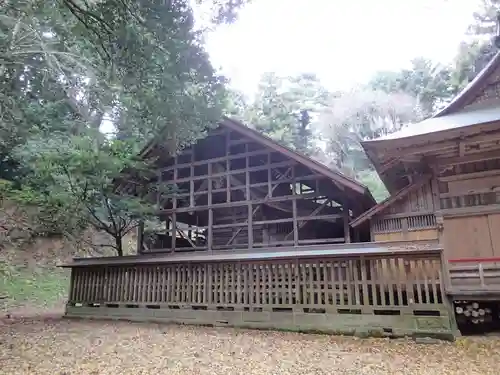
{"x": 343, "y": 42}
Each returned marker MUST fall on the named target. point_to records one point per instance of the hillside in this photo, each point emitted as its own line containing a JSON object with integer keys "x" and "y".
{"x": 30, "y": 280}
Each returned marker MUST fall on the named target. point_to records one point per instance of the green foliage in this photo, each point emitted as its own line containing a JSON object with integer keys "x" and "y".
{"x": 40, "y": 287}
{"x": 68, "y": 69}
{"x": 372, "y": 180}
{"x": 78, "y": 176}
{"x": 427, "y": 82}
{"x": 278, "y": 108}
{"x": 472, "y": 57}
{"x": 485, "y": 18}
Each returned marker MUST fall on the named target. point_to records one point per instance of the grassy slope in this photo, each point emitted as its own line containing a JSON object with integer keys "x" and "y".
{"x": 30, "y": 278}
{"x": 43, "y": 287}
{"x": 29, "y": 275}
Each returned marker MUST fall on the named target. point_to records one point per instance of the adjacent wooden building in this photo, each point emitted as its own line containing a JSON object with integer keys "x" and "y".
{"x": 254, "y": 234}
{"x": 444, "y": 178}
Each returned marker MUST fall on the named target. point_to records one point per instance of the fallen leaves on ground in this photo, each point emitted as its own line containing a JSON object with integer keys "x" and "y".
{"x": 64, "y": 347}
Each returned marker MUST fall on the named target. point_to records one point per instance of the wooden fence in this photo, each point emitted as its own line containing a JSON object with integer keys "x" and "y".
{"x": 395, "y": 294}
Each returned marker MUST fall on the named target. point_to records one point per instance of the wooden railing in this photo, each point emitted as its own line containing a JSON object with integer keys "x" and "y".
{"x": 301, "y": 289}
{"x": 399, "y": 222}
{"x": 474, "y": 276}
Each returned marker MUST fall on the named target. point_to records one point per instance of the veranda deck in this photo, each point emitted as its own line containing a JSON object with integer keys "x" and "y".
{"x": 369, "y": 288}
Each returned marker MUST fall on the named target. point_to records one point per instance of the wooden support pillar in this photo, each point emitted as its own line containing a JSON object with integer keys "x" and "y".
{"x": 250, "y": 226}
{"x": 228, "y": 167}
{"x": 265, "y": 232}
{"x": 345, "y": 210}
{"x": 356, "y": 235}
{"x": 247, "y": 180}
{"x": 210, "y": 229}
{"x": 269, "y": 177}
{"x": 248, "y": 198}
{"x": 404, "y": 228}
{"x": 210, "y": 210}
{"x": 174, "y": 195}
{"x": 191, "y": 183}
{"x": 173, "y": 232}
{"x": 295, "y": 225}
{"x": 294, "y": 211}
{"x": 140, "y": 237}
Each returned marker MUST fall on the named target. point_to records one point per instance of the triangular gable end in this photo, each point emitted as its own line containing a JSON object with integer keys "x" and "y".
{"x": 238, "y": 140}
{"x": 342, "y": 181}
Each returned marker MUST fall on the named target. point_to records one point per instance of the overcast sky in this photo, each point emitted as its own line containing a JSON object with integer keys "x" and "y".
{"x": 343, "y": 42}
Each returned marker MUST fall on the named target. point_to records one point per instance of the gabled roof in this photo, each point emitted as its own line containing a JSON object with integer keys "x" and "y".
{"x": 343, "y": 181}
{"x": 471, "y": 107}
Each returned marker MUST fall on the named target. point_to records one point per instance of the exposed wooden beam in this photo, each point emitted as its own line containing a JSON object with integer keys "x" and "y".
{"x": 302, "y": 223}
{"x": 347, "y": 233}
{"x": 250, "y": 216}
{"x": 480, "y": 156}
{"x": 440, "y": 146}
{"x": 185, "y": 237}
{"x": 267, "y": 201}
{"x": 388, "y": 165}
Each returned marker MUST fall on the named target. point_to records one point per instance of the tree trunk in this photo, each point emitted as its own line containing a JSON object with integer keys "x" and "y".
{"x": 119, "y": 246}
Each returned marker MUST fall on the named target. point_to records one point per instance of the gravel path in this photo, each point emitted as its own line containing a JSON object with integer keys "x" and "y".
{"x": 55, "y": 346}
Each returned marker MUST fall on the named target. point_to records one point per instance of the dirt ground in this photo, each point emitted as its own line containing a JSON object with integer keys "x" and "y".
{"x": 60, "y": 346}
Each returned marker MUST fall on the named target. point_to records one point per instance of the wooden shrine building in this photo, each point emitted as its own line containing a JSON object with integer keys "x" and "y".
{"x": 237, "y": 189}
{"x": 444, "y": 178}
{"x": 257, "y": 235}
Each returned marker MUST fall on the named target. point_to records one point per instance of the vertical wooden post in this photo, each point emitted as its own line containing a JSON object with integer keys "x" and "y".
{"x": 247, "y": 178}
{"x": 228, "y": 167}
{"x": 191, "y": 183}
{"x": 295, "y": 226}
{"x": 210, "y": 229}
{"x": 210, "y": 210}
{"x": 265, "y": 232}
{"x": 404, "y": 228}
{"x": 249, "y": 203}
{"x": 174, "y": 206}
{"x": 140, "y": 236}
{"x": 250, "y": 226}
{"x": 345, "y": 210}
{"x": 269, "y": 177}
{"x": 174, "y": 197}
{"x": 437, "y": 204}
{"x": 294, "y": 210}
{"x": 356, "y": 235}
{"x": 174, "y": 231}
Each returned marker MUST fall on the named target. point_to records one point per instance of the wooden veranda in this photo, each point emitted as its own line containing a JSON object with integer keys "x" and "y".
{"x": 254, "y": 234}
{"x": 364, "y": 289}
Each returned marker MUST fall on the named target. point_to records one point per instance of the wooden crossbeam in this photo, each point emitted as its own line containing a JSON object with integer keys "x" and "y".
{"x": 185, "y": 237}
{"x": 254, "y": 211}
{"x": 203, "y": 185}
{"x": 315, "y": 212}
